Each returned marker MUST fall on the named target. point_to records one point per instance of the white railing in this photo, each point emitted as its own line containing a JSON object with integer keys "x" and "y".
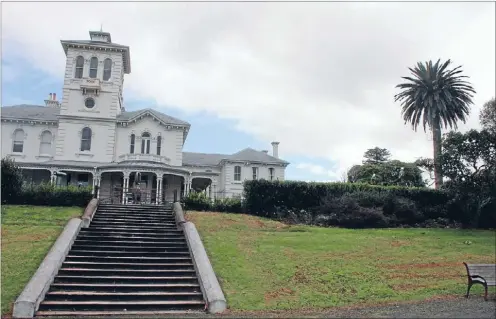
{"x": 144, "y": 157}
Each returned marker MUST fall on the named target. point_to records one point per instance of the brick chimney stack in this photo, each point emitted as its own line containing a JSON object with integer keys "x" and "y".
{"x": 52, "y": 100}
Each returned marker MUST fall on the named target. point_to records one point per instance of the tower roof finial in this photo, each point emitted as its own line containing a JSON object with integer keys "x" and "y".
{"x": 101, "y": 27}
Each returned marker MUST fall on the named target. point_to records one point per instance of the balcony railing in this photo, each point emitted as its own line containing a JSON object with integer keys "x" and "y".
{"x": 145, "y": 157}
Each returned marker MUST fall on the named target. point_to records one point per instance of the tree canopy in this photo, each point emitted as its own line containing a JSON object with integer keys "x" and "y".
{"x": 487, "y": 115}
{"x": 376, "y": 155}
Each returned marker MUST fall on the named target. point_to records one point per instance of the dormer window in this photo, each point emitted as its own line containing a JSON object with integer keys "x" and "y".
{"x": 79, "y": 67}
{"x": 93, "y": 67}
{"x": 107, "y": 69}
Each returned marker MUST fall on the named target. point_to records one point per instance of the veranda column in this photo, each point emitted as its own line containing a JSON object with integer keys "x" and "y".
{"x": 53, "y": 177}
{"x": 158, "y": 199}
{"x": 213, "y": 185}
{"x": 125, "y": 186}
{"x": 98, "y": 181}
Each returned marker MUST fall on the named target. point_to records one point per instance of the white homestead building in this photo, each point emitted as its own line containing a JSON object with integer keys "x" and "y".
{"x": 88, "y": 138}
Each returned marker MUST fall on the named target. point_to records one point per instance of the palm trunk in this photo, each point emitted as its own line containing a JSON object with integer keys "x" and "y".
{"x": 436, "y": 141}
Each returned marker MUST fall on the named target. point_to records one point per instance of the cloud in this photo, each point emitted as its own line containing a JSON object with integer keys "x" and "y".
{"x": 316, "y": 170}
{"x": 318, "y": 77}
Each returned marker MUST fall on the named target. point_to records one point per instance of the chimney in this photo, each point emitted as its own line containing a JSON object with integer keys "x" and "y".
{"x": 265, "y": 151}
{"x": 52, "y": 100}
{"x": 275, "y": 151}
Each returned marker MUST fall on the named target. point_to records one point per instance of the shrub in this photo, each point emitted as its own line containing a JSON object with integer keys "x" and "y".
{"x": 231, "y": 205}
{"x": 11, "y": 181}
{"x": 50, "y": 195}
{"x": 197, "y": 201}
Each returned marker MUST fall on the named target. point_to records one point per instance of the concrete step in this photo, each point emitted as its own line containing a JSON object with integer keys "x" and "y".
{"x": 182, "y": 248}
{"x": 79, "y": 295}
{"x": 139, "y": 243}
{"x": 130, "y": 237}
{"x": 127, "y": 265}
{"x": 134, "y": 229}
{"x": 143, "y": 259}
{"x": 120, "y": 288}
{"x": 149, "y": 225}
{"x": 133, "y": 219}
{"x": 120, "y": 314}
{"x": 126, "y": 279}
{"x": 148, "y": 305}
{"x": 80, "y": 271}
{"x": 136, "y": 211}
{"x": 134, "y": 215}
{"x": 120, "y": 253}
{"x": 112, "y": 233}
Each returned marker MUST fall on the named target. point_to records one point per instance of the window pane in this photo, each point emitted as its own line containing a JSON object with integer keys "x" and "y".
{"x": 18, "y": 147}
{"x": 146, "y": 134}
{"x": 142, "y": 147}
{"x": 132, "y": 143}
{"x": 79, "y": 62}
{"x": 79, "y": 73}
{"x": 93, "y": 67}
{"x": 147, "y": 146}
{"x": 107, "y": 69}
{"x": 159, "y": 144}
{"x": 19, "y": 135}
{"x": 86, "y": 133}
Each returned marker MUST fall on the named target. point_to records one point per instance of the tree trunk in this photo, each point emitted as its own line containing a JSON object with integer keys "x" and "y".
{"x": 436, "y": 141}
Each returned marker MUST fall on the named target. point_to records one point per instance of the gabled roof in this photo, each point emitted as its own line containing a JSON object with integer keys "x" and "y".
{"x": 247, "y": 154}
{"x": 166, "y": 119}
{"x": 30, "y": 112}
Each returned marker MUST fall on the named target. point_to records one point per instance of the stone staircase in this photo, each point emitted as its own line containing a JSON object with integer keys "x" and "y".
{"x": 132, "y": 260}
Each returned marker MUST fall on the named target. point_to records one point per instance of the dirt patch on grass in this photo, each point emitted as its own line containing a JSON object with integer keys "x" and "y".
{"x": 409, "y": 287}
{"x": 423, "y": 266}
{"x": 279, "y": 293}
{"x": 400, "y": 243}
{"x": 300, "y": 277}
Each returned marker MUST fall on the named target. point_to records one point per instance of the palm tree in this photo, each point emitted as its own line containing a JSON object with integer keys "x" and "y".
{"x": 438, "y": 98}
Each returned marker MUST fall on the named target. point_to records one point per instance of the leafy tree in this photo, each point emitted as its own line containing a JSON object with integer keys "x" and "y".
{"x": 11, "y": 180}
{"x": 387, "y": 174}
{"x": 469, "y": 161}
{"x": 435, "y": 97}
{"x": 487, "y": 115}
{"x": 376, "y": 155}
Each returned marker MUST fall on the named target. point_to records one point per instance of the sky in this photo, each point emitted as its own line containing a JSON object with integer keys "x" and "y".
{"x": 317, "y": 77}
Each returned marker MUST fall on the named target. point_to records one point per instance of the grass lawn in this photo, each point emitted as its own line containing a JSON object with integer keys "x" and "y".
{"x": 28, "y": 232}
{"x": 266, "y": 265}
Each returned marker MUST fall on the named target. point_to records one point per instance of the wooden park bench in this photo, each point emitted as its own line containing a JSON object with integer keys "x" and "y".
{"x": 484, "y": 274}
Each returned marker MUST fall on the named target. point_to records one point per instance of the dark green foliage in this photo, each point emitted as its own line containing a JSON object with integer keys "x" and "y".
{"x": 376, "y": 155}
{"x": 387, "y": 174}
{"x": 11, "y": 180}
{"x": 49, "y": 195}
{"x": 200, "y": 202}
{"x": 358, "y": 205}
{"x": 487, "y": 115}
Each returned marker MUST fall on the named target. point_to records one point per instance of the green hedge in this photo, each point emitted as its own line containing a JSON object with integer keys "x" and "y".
{"x": 200, "y": 202}
{"x": 49, "y": 195}
{"x": 355, "y": 205}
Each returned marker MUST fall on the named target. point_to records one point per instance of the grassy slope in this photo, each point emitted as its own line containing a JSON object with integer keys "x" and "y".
{"x": 28, "y": 232}
{"x": 263, "y": 264}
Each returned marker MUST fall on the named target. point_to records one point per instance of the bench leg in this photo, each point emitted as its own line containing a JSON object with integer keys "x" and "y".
{"x": 468, "y": 290}
{"x": 485, "y": 294}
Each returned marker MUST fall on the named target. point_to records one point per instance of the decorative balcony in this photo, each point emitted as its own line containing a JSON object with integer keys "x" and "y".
{"x": 145, "y": 157}
{"x": 89, "y": 83}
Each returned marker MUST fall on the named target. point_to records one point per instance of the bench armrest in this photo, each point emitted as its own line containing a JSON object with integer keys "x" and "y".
{"x": 478, "y": 278}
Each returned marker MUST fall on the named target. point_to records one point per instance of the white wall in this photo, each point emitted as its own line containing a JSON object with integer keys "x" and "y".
{"x": 232, "y": 187}
{"x": 108, "y": 101}
{"x": 172, "y": 140}
{"x": 69, "y": 141}
{"x": 31, "y": 148}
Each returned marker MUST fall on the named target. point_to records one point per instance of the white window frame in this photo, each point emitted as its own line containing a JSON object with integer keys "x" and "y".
{"x": 83, "y": 139}
{"x": 47, "y": 142}
{"x": 272, "y": 173}
{"x": 107, "y": 69}
{"x": 79, "y": 67}
{"x": 17, "y": 142}
{"x": 255, "y": 173}
{"x": 93, "y": 68}
{"x": 237, "y": 175}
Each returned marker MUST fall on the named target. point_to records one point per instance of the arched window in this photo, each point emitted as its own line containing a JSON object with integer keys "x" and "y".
{"x": 133, "y": 138}
{"x": 46, "y": 143}
{"x": 145, "y": 143}
{"x": 237, "y": 173}
{"x": 86, "y": 139}
{"x": 93, "y": 67}
{"x": 107, "y": 69}
{"x": 18, "y": 141}
{"x": 159, "y": 144}
{"x": 79, "y": 67}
